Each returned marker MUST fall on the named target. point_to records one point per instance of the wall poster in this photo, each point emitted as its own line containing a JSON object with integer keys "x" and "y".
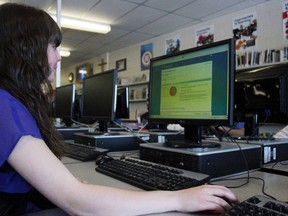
{"x": 172, "y": 45}
{"x": 285, "y": 19}
{"x": 245, "y": 31}
{"x": 145, "y": 56}
{"x": 204, "y": 36}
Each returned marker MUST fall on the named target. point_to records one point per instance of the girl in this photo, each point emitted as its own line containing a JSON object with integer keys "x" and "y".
{"x": 31, "y": 147}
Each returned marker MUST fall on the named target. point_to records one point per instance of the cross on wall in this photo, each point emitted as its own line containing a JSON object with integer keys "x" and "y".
{"x": 102, "y": 64}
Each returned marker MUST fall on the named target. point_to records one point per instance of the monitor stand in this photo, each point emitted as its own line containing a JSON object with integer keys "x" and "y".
{"x": 193, "y": 139}
{"x": 101, "y": 131}
{"x": 103, "y": 127}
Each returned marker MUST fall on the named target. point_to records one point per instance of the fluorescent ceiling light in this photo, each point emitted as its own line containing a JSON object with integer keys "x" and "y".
{"x": 64, "y": 53}
{"x": 83, "y": 25}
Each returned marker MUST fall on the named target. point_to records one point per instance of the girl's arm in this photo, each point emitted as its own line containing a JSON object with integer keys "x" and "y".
{"x": 37, "y": 164}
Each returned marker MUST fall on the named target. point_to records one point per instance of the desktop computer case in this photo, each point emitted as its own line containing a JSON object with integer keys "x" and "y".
{"x": 68, "y": 132}
{"x": 216, "y": 162}
{"x": 122, "y": 142}
{"x": 273, "y": 151}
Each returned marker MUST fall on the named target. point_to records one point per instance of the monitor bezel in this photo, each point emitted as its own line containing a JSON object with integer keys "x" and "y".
{"x": 112, "y": 109}
{"x": 72, "y": 91}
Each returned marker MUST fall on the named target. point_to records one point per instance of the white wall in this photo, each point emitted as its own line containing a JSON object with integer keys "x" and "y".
{"x": 269, "y": 31}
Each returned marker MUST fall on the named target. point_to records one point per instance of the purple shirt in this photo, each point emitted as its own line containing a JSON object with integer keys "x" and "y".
{"x": 15, "y": 122}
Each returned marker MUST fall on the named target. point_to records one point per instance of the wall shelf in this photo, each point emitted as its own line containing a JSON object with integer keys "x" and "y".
{"x": 261, "y": 71}
{"x": 137, "y": 100}
{"x": 135, "y": 84}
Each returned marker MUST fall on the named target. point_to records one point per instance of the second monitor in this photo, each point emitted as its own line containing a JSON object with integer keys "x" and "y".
{"x": 99, "y": 98}
{"x": 122, "y": 103}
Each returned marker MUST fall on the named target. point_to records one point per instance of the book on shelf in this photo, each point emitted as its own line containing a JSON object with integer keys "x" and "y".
{"x": 254, "y": 58}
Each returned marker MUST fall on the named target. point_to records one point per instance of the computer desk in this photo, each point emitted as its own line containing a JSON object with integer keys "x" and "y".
{"x": 275, "y": 185}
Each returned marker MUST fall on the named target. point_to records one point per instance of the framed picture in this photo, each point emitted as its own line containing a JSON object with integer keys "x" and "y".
{"x": 83, "y": 71}
{"x": 121, "y": 65}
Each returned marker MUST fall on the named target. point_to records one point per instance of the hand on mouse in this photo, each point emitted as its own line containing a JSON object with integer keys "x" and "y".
{"x": 212, "y": 198}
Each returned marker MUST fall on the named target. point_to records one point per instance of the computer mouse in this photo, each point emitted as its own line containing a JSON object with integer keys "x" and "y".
{"x": 102, "y": 159}
{"x": 228, "y": 201}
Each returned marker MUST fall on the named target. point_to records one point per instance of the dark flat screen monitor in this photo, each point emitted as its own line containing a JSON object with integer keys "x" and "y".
{"x": 194, "y": 87}
{"x": 99, "y": 97}
{"x": 122, "y": 104}
{"x": 63, "y": 103}
{"x": 266, "y": 97}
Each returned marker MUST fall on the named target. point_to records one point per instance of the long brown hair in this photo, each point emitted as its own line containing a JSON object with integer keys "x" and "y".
{"x": 25, "y": 33}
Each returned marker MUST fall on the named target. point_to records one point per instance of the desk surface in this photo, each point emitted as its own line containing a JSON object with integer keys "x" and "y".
{"x": 275, "y": 185}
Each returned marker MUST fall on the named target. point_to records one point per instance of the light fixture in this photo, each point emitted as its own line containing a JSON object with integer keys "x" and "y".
{"x": 83, "y": 25}
{"x": 64, "y": 53}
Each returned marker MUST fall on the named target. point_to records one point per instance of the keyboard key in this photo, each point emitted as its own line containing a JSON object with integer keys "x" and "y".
{"x": 259, "y": 205}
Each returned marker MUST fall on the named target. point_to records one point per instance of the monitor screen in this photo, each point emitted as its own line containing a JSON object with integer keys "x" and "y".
{"x": 122, "y": 104}
{"x": 64, "y": 101}
{"x": 99, "y": 97}
{"x": 265, "y": 97}
{"x": 194, "y": 87}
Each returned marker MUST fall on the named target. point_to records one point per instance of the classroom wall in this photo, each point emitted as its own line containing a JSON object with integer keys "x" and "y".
{"x": 269, "y": 35}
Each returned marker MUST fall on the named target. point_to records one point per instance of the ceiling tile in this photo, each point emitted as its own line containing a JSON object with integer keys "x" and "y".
{"x": 132, "y": 38}
{"x": 168, "y": 23}
{"x": 202, "y": 8}
{"x": 167, "y": 5}
{"x": 110, "y": 10}
{"x": 139, "y": 17}
{"x": 234, "y": 8}
{"x": 110, "y": 37}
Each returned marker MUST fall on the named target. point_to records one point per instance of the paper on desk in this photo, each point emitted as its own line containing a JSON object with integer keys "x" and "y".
{"x": 283, "y": 133}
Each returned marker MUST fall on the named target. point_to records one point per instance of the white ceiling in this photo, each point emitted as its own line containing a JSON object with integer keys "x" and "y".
{"x": 132, "y": 21}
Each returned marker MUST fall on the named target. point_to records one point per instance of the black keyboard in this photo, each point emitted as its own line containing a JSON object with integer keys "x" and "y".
{"x": 259, "y": 205}
{"x": 82, "y": 152}
{"x": 150, "y": 176}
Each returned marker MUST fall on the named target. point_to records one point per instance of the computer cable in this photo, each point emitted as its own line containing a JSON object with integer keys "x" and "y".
{"x": 131, "y": 132}
{"x": 247, "y": 169}
{"x": 222, "y": 133}
{"x": 245, "y": 178}
{"x": 91, "y": 127}
{"x": 248, "y": 178}
{"x": 275, "y": 171}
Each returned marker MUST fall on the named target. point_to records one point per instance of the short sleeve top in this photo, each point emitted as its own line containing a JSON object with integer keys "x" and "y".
{"x": 15, "y": 121}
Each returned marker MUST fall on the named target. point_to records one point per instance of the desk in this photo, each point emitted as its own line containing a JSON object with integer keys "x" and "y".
{"x": 283, "y": 166}
{"x": 275, "y": 185}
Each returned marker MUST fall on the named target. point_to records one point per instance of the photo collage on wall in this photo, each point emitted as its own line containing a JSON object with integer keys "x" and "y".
{"x": 204, "y": 36}
{"x": 172, "y": 45}
{"x": 285, "y": 19}
{"x": 245, "y": 31}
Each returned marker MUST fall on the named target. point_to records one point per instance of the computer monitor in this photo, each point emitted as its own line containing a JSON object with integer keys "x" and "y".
{"x": 262, "y": 97}
{"x": 63, "y": 103}
{"x": 99, "y": 98}
{"x": 122, "y": 104}
{"x": 194, "y": 87}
